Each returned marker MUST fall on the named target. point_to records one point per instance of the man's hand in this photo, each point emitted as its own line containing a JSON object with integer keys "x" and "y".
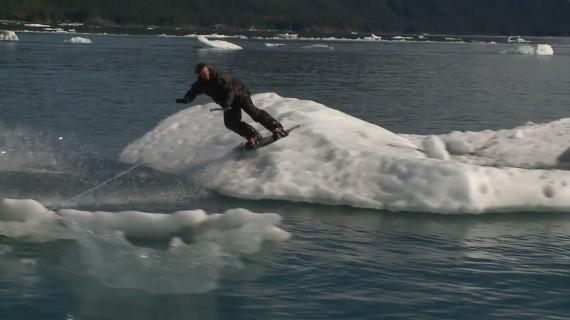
{"x": 182, "y": 100}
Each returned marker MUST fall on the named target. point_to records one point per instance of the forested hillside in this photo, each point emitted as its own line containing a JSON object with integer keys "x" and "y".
{"x": 529, "y": 17}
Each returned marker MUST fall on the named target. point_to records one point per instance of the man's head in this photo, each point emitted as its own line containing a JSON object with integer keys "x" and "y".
{"x": 203, "y": 71}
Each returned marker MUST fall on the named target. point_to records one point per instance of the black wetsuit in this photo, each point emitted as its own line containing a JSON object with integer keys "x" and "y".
{"x": 232, "y": 96}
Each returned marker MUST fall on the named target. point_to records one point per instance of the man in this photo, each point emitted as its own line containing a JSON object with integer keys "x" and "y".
{"x": 232, "y": 96}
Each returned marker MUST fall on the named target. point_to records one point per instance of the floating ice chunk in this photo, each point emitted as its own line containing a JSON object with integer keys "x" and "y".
{"x": 218, "y": 44}
{"x": 274, "y": 45}
{"x": 373, "y": 37}
{"x": 517, "y": 39}
{"x": 20, "y": 210}
{"x": 30, "y": 221}
{"x": 288, "y": 36}
{"x": 201, "y": 246}
{"x": 527, "y": 49}
{"x": 8, "y": 36}
{"x": 36, "y": 25}
{"x": 402, "y": 38}
{"x": 544, "y": 50}
{"x": 79, "y": 40}
{"x": 21, "y": 218}
{"x": 71, "y": 24}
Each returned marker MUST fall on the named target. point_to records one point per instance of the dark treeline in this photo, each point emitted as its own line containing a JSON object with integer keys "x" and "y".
{"x": 528, "y": 17}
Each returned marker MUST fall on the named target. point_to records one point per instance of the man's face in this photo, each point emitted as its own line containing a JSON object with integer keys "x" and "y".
{"x": 204, "y": 74}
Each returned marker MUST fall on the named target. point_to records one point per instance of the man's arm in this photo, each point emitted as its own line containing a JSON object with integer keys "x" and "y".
{"x": 191, "y": 94}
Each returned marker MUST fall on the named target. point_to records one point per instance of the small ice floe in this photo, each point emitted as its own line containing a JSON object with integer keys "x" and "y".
{"x": 198, "y": 248}
{"x": 288, "y": 36}
{"x": 453, "y": 39}
{"x": 319, "y": 46}
{"x": 71, "y": 24}
{"x": 8, "y": 36}
{"x": 544, "y": 50}
{"x": 218, "y": 44}
{"x": 36, "y": 25}
{"x": 373, "y": 37}
{"x": 516, "y": 39}
{"x": 274, "y": 45}
{"x": 531, "y": 50}
{"x": 79, "y": 40}
{"x": 402, "y": 38}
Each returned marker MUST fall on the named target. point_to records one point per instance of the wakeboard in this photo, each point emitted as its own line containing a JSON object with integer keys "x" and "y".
{"x": 267, "y": 140}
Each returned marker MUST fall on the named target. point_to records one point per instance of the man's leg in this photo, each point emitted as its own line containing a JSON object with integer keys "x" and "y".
{"x": 259, "y": 115}
{"x": 232, "y": 120}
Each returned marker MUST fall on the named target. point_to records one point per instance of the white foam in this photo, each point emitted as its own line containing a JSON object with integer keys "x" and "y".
{"x": 218, "y": 44}
{"x": 8, "y": 36}
{"x": 25, "y": 150}
{"x": 201, "y": 248}
{"x": 79, "y": 40}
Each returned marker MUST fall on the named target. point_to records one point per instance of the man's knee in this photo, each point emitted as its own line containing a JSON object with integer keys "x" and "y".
{"x": 232, "y": 124}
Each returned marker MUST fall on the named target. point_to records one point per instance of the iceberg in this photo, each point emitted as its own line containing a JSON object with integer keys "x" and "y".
{"x": 336, "y": 159}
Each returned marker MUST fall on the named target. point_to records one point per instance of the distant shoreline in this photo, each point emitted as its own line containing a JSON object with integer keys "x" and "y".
{"x": 70, "y": 27}
{"x": 271, "y": 35}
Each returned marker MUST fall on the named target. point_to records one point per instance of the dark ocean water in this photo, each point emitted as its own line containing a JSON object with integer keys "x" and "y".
{"x": 67, "y": 110}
